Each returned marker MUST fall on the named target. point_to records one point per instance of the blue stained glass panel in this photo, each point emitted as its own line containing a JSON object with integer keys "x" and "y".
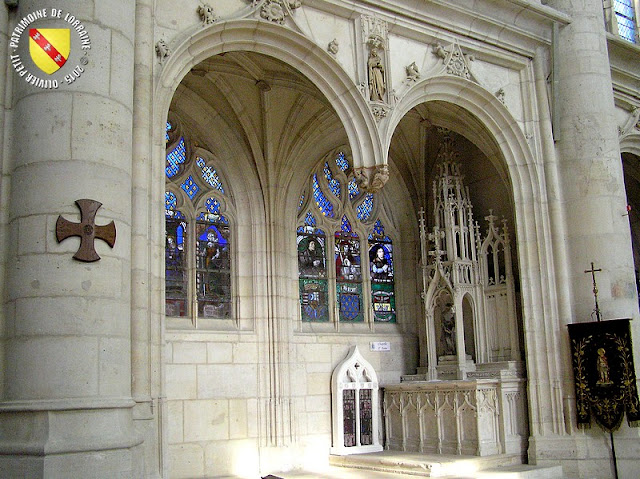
{"x": 334, "y": 185}
{"x": 190, "y": 187}
{"x": 170, "y": 205}
{"x": 213, "y": 205}
{"x": 353, "y": 188}
{"x": 210, "y": 175}
{"x": 323, "y": 203}
{"x": 166, "y": 137}
{"x": 175, "y": 158}
{"x": 300, "y": 203}
{"x": 342, "y": 162}
{"x": 378, "y": 232}
{"x": 364, "y": 209}
{"x": 170, "y": 200}
{"x": 213, "y": 269}
{"x": 310, "y": 220}
{"x": 350, "y": 302}
{"x": 345, "y": 226}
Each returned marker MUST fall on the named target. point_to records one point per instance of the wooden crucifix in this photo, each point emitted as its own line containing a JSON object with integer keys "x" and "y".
{"x": 86, "y": 230}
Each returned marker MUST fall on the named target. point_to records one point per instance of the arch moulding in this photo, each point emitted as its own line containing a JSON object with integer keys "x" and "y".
{"x": 630, "y": 143}
{"x": 290, "y": 47}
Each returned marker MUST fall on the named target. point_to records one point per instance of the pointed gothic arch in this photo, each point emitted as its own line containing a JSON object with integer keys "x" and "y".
{"x": 292, "y": 48}
{"x": 493, "y": 129}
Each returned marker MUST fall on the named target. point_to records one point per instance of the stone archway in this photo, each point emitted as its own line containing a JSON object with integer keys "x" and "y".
{"x": 476, "y": 114}
{"x": 200, "y": 63}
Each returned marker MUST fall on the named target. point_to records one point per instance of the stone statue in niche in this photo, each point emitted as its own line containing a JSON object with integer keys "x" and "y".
{"x": 377, "y": 86}
{"x": 449, "y": 330}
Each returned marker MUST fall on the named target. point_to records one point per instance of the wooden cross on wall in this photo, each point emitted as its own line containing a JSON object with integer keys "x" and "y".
{"x": 86, "y": 230}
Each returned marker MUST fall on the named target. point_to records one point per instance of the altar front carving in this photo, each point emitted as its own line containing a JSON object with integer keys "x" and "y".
{"x": 478, "y": 417}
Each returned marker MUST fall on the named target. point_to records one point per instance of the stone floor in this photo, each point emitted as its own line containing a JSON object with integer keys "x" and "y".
{"x": 397, "y": 465}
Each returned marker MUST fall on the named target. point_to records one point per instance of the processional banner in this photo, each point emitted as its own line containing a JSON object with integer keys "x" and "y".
{"x": 604, "y": 373}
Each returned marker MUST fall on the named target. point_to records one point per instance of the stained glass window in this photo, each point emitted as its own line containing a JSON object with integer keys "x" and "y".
{"x": 190, "y": 187}
{"x": 382, "y": 275}
{"x": 366, "y": 418}
{"x": 198, "y": 238}
{"x": 342, "y": 162}
{"x": 334, "y": 185}
{"x": 353, "y": 188}
{"x": 348, "y": 273}
{"x": 209, "y": 175}
{"x": 365, "y": 208}
{"x": 322, "y": 202}
{"x": 176, "y": 278}
{"x": 166, "y": 137}
{"x": 625, "y": 18}
{"x": 378, "y": 232}
{"x": 175, "y": 158}
{"x": 325, "y": 263}
{"x": 213, "y": 269}
{"x": 312, "y": 271}
{"x": 170, "y": 201}
{"x": 349, "y": 416}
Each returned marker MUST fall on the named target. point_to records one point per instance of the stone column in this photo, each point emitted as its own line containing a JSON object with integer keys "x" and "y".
{"x": 590, "y": 165}
{"x": 66, "y": 409}
{"x": 593, "y": 194}
{"x": 147, "y": 241}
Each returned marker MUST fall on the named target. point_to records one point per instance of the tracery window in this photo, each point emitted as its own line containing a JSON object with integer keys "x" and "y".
{"x": 198, "y": 240}
{"x": 625, "y": 18}
{"x": 345, "y": 258}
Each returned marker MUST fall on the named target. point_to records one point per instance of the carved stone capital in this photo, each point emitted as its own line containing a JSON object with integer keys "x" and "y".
{"x": 371, "y": 179}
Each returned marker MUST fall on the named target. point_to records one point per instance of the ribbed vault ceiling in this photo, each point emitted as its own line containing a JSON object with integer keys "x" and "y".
{"x": 244, "y": 103}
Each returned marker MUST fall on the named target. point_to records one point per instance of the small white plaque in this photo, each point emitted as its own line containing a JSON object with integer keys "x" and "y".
{"x": 381, "y": 346}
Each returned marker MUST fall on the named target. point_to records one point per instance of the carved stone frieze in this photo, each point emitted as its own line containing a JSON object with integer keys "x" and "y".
{"x": 162, "y": 50}
{"x": 371, "y": 179}
{"x": 277, "y": 10}
{"x": 379, "y": 111}
{"x": 333, "y": 47}
{"x": 632, "y": 123}
{"x": 413, "y": 74}
{"x": 206, "y": 14}
{"x": 455, "y": 61}
{"x": 374, "y": 28}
